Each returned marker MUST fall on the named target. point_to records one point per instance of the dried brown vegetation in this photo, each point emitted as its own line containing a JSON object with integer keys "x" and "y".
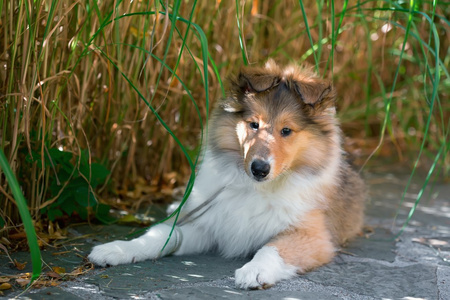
{"x": 70, "y": 72}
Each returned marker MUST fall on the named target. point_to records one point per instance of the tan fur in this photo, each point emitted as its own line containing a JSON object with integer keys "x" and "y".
{"x": 345, "y": 214}
{"x": 308, "y": 245}
{"x": 312, "y": 242}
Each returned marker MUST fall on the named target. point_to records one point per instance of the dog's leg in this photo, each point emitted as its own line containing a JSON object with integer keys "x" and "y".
{"x": 195, "y": 240}
{"x": 147, "y": 246}
{"x": 186, "y": 239}
{"x": 296, "y": 250}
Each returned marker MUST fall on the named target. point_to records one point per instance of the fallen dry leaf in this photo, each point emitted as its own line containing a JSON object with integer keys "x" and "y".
{"x": 41, "y": 283}
{"x": 81, "y": 270}
{"x": 22, "y": 282}
{"x": 59, "y": 270}
{"x": 128, "y": 219}
{"x": 55, "y": 283}
{"x": 19, "y": 266}
{"x": 53, "y": 275}
{"x": 5, "y": 286}
{"x": 4, "y": 279}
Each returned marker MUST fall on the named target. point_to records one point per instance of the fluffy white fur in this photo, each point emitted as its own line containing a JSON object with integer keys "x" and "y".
{"x": 241, "y": 220}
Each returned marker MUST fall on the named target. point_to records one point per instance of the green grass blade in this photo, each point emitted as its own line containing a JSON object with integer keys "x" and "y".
{"x": 333, "y": 39}
{"x": 367, "y": 85}
{"x": 216, "y": 71}
{"x": 422, "y": 190}
{"x": 434, "y": 95}
{"x": 425, "y": 135}
{"x": 241, "y": 40}
{"x": 175, "y": 10}
{"x": 388, "y": 103}
{"x": 319, "y": 44}
{"x": 319, "y": 23}
{"x": 308, "y": 32}
{"x": 185, "y": 37}
{"x": 25, "y": 215}
{"x": 335, "y": 32}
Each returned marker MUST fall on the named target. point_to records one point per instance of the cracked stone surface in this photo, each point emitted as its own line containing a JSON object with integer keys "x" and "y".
{"x": 380, "y": 265}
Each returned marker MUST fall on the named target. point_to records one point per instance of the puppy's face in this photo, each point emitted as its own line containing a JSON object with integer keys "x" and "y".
{"x": 282, "y": 121}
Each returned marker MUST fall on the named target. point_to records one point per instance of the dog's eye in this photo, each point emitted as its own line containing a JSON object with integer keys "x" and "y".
{"x": 254, "y": 125}
{"x": 286, "y": 131}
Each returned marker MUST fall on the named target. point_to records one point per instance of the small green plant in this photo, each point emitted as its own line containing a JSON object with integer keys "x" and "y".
{"x": 72, "y": 184}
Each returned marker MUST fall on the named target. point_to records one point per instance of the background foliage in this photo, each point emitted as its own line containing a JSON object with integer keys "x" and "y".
{"x": 104, "y": 100}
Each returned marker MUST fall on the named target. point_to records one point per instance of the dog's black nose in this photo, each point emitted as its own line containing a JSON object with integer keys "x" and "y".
{"x": 260, "y": 169}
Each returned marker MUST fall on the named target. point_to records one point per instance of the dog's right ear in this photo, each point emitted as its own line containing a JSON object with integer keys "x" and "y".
{"x": 249, "y": 81}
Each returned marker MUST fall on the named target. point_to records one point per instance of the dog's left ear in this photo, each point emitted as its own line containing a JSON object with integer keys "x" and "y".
{"x": 318, "y": 95}
{"x": 256, "y": 80}
{"x": 250, "y": 80}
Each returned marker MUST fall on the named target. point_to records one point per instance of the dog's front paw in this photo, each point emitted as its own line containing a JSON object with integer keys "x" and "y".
{"x": 153, "y": 244}
{"x": 264, "y": 270}
{"x": 252, "y": 277}
{"x": 112, "y": 254}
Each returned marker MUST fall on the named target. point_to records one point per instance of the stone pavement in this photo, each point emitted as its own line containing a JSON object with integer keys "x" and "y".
{"x": 415, "y": 265}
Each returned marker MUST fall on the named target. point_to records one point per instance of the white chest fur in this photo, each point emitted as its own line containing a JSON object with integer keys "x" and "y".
{"x": 247, "y": 214}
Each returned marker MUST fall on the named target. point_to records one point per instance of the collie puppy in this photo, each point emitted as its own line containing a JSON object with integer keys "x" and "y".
{"x": 274, "y": 183}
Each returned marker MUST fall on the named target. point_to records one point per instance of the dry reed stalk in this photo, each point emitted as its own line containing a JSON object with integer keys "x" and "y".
{"x": 62, "y": 83}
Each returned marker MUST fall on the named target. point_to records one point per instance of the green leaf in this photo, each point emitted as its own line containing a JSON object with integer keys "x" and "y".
{"x": 66, "y": 194}
{"x": 84, "y": 196}
{"x": 99, "y": 173}
{"x": 95, "y": 173}
{"x": 58, "y": 156}
{"x": 69, "y": 206}
{"x": 54, "y": 213}
{"x": 34, "y": 157}
{"x": 82, "y": 212}
{"x": 102, "y": 213}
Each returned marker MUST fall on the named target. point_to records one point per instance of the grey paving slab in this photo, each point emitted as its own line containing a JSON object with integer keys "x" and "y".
{"x": 380, "y": 265}
{"x": 380, "y": 245}
{"x": 52, "y": 293}
{"x": 208, "y": 292}
{"x": 143, "y": 277}
{"x": 380, "y": 281}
